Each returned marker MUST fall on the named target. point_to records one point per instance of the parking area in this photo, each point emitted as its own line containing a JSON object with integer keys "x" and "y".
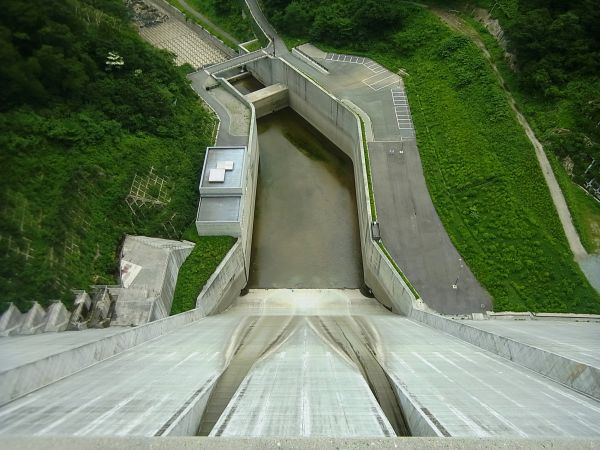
{"x": 368, "y": 63}
{"x": 344, "y": 58}
{"x": 381, "y": 80}
{"x": 402, "y": 111}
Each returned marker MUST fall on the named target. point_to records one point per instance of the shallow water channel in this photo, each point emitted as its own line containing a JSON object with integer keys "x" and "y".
{"x": 305, "y": 225}
{"x": 247, "y": 84}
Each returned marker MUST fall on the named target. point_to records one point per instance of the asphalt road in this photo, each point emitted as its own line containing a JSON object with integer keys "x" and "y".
{"x": 410, "y": 227}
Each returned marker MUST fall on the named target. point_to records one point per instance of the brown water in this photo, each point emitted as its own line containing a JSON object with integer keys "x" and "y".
{"x": 247, "y": 85}
{"x": 306, "y": 223}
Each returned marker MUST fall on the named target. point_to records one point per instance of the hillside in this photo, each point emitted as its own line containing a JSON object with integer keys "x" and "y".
{"x": 86, "y": 106}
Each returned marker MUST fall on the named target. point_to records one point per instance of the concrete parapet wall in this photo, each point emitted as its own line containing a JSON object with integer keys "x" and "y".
{"x": 576, "y": 375}
{"x": 342, "y": 126}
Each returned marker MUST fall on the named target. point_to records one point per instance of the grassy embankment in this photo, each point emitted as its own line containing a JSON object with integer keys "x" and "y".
{"x": 74, "y": 134}
{"x": 225, "y": 14}
{"x": 546, "y": 114}
{"x": 481, "y": 170}
{"x": 198, "y": 268}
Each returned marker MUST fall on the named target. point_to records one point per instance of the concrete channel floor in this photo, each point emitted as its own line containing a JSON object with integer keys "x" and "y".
{"x": 410, "y": 227}
{"x": 468, "y": 391}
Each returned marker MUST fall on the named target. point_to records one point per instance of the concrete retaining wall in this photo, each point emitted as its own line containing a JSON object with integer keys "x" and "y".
{"x": 573, "y": 374}
{"x": 225, "y": 284}
{"x": 249, "y": 181}
{"x": 342, "y": 126}
{"x": 269, "y": 99}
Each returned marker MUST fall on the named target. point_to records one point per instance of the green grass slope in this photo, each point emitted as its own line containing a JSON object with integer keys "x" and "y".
{"x": 198, "y": 267}
{"x": 73, "y": 135}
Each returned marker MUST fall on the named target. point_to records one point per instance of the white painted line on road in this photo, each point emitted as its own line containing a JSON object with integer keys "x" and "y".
{"x": 389, "y": 84}
{"x": 401, "y": 109}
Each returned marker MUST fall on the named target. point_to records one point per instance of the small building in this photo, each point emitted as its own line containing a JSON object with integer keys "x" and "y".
{"x": 219, "y": 210}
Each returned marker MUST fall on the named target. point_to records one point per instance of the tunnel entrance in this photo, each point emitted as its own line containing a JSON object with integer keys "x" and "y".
{"x": 306, "y": 231}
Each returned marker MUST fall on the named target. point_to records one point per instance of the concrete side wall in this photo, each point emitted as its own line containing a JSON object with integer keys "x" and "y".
{"x": 186, "y": 424}
{"x": 218, "y": 228}
{"x": 418, "y": 422}
{"x": 225, "y": 284}
{"x": 250, "y": 179}
{"x": 332, "y": 118}
{"x": 578, "y": 376}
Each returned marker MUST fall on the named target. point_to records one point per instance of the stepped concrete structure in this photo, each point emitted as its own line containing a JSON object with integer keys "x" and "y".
{"x": 36, "y": 320}
{"x": 149, "y": 269}
{"x": 316, "y": 368}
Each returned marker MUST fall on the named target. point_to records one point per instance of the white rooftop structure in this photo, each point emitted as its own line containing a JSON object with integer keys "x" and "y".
{"x": 219, "y": 210}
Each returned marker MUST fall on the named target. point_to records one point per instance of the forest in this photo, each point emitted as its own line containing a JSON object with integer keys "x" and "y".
{"x": 480, "y": 168}
{"x": 86, "y": 108}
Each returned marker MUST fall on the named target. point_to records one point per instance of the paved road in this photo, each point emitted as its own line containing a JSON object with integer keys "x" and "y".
{"x": 263, "y": 23}
{"x": 410, "y": 227}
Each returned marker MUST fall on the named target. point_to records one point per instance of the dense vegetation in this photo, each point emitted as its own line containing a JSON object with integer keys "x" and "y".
{"x": 480, "y": 168}
{"x": 198, "y": 267}
{"x": 74, "y": 131}
{"x": 230, "y": 15}
{"x": 557, "y": 85}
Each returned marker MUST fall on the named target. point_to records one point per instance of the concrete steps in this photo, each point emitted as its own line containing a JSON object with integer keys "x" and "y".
{"x": 37, "y": 320}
